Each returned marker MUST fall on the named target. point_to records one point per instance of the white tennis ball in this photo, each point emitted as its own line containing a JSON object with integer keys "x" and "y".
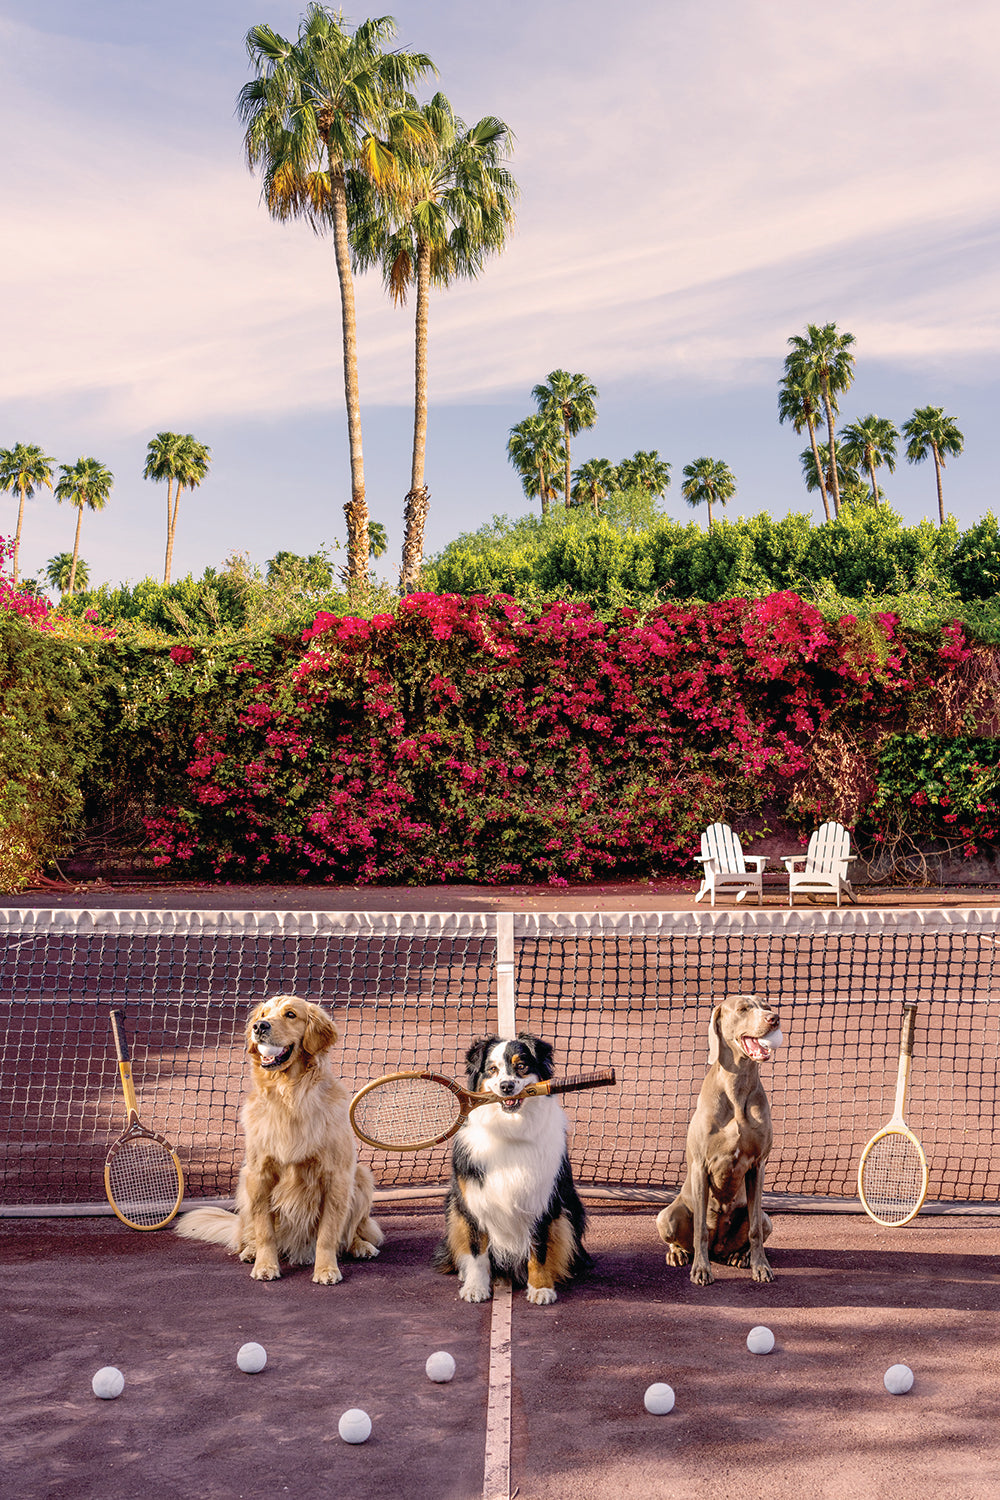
{"x": 898, "y": 1379}
{"x": 774, "y": 1039}
{"x": 355, "y": 1426}
{"x": 440, "y": 1366}
{"x": 108, "y": 1383}
{"x": 659, "y": 1399}
{"x": 760, "y": 1340}
{"x": 252, "y": 1358}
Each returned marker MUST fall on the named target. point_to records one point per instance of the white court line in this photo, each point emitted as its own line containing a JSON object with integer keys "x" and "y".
{"x": 496, "y": 1473}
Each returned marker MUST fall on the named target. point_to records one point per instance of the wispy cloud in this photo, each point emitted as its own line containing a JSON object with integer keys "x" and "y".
{"x": 694, "y": 188}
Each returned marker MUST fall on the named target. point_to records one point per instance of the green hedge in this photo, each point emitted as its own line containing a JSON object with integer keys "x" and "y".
{"x": 49, "y": 736}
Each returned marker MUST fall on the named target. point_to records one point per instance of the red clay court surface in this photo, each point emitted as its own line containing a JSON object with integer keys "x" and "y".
{"x": 812, "y": 1418}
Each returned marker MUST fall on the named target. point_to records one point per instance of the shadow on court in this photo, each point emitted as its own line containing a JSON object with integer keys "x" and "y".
{"x": 813, "y": 1418}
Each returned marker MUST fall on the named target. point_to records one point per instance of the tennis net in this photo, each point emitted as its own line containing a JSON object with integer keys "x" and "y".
{"x": 632, "y": 990}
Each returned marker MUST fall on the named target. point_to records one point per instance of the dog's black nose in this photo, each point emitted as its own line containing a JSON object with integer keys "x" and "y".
{"x": 508, "y": 1086}
{"x": 261, "y": 1028}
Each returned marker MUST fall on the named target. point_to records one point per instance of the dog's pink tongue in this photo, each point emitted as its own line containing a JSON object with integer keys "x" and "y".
{"x": 754, "y": 1049}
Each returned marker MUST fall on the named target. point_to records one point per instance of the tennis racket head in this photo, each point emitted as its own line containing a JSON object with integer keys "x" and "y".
{"x": 892, "y": 1176}
{"x": 408, "y": 1111}
{"x": 143, "y": 1178}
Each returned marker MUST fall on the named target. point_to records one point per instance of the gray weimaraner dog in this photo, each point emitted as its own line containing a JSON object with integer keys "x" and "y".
{"x": 718, "y": 1213}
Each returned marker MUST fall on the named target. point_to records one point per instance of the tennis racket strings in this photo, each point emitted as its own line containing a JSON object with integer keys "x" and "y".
{"x": 142, "y": 1182}
{"x": 407, "y": 1110}
{"x": 894, "y": 1178}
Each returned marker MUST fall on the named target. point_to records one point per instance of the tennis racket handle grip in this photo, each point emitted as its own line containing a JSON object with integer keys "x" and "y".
{"x": 118, "y": 1028}
{"x": 906, "y": 1031}
{"x": 582, "y": 1081}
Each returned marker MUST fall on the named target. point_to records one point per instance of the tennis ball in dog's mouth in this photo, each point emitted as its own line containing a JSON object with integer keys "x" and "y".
{"x": 108, "y": 1383}
{"x": 252, "y": 1358}
{"x": 659, "y": 1398}
{"x": 440, "y": 1366}
{"x": 760, "y": 1340}
{"x": 898, "y": 1379}
{"x": 355, "y": 1426}
{"x": 773, "y": 1040}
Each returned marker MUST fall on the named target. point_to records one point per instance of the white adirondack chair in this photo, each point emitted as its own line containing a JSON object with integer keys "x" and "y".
{"x": 824, "y": 864}
{"x": 727, "y": 868}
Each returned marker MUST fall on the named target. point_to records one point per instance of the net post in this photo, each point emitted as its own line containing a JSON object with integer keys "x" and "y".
{"x": 506, "y": 1017}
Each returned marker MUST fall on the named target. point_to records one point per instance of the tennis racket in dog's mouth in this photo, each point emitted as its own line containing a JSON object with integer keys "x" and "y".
{"x": 142, "y": 1176}
{"x": 411, "y": 1110}
{"x": 892, "y": 1174}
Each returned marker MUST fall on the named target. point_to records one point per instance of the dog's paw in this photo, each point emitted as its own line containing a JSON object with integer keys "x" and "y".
{"x": 327, "y": 1275}
{"x": 762, "y": 1271}
{"x": 541, "y": 1296}
{"x": 474, "y": 1291}
{"x": 265, "y": 1270}
{"x": 702, "y": 1275}
{"x": 247, "y": 1253}
{"x": 678, "y": 1256}
{"x": 363, "y": 1250}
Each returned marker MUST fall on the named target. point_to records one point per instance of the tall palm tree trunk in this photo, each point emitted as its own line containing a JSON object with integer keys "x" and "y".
{"x": 819, "y": 467}
{"x": 543, "y": 488}
{"x": 566, "y": 436}
{"x": 171, "y": 528}
{"x": 76, "y": 551}
{"x": 834, "y": 478}
{"x": 356, "y": 510}
{"x": 871, "y": 475}
{"x": 416, "y": 507}
{"x": 937, "y": 476}
{"x": 17, "y": 534}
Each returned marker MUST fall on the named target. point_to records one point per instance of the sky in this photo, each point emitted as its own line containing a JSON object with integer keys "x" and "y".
{"x": 699, "y": 179}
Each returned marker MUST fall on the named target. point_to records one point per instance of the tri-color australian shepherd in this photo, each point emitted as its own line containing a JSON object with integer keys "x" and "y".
{"x": 512, "y": 1209}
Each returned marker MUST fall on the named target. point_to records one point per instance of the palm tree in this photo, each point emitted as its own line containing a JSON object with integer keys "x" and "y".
{"x": 817, "y": 475}
{"x": 378, "y": 542}
{"x": 821, "y": 361}
{"x": 573, "y": 400}
{"x": 708, "y": 480}
{"x": 321, "y": 109}
{"x": 594, "y": 481}
{"x": 870, "y": 443}
{"x": 451, "y": 208}
{"x": 24, "y": 468}
{"x": 86, "y": 483}
{"x": 535, "y": 448}
{"x": 59, "y": 570}
{"x": 183, "y": 462}
{"x": 930, "y": 431}
{"x": 648, "y": 471}
{"x": 799, "y": 404}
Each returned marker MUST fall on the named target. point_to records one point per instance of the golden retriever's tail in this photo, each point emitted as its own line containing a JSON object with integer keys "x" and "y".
{"x": 217, "y": 1225}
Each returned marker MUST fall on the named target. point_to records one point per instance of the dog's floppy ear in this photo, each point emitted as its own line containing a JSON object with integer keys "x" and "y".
{"x": 320, "y": 1032}
{"x": 714, "y": 1036}
{"x": 540, "y": 1051}
{"x": 476, "y": 1055}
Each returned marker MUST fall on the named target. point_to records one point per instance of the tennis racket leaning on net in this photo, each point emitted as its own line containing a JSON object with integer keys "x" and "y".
{"x": 892, "y": 1175}
{"x": 142, "y": 1176}
{"x": 412, "y": 1110}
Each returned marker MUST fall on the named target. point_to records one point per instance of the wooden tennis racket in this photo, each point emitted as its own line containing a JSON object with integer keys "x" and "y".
{"x": 892, "y": 1175}
{"x": 412, "y": 1110}
{"x": 142, "y": 1176}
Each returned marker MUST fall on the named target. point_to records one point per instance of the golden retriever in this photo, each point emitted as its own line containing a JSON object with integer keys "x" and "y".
{"x": 302, "y": 1195}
